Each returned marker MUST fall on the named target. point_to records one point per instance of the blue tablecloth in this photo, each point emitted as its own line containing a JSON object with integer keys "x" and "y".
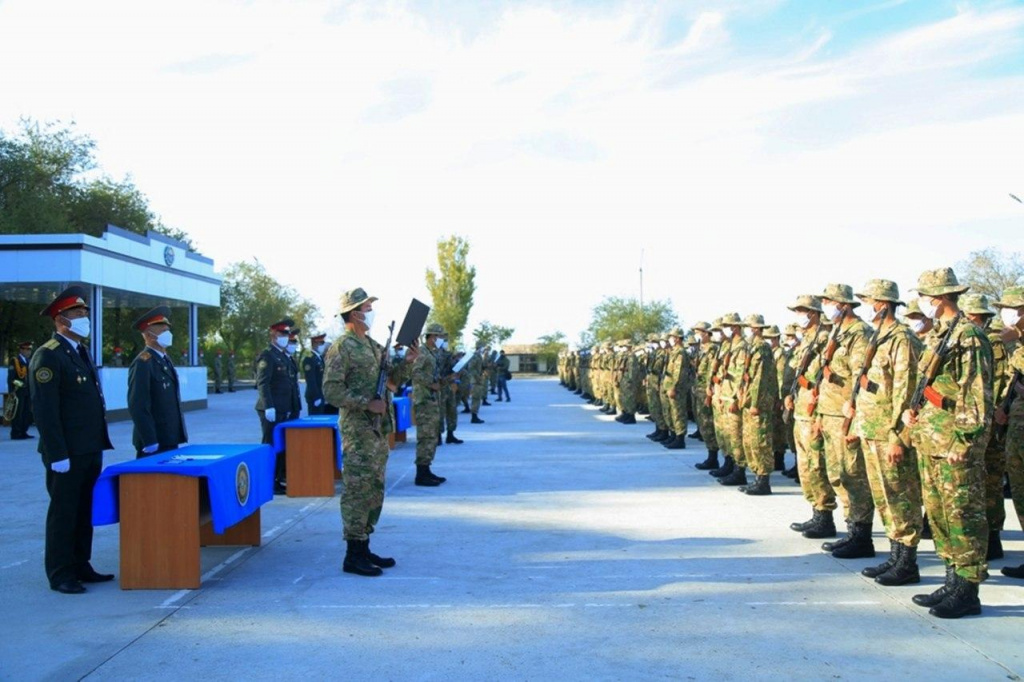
{"x": 317, "y": 421}
{"x": 403, "y": 414}
{"x": 218, "y": 464}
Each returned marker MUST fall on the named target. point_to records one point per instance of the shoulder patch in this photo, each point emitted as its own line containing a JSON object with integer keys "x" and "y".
{"x": 263, "y": 364}
{"x": 145, "y": 356}
{"x": 52, "y": 344}
{"x": 44, "y": 375}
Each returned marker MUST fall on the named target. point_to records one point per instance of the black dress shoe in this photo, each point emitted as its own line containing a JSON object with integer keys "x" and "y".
{"x": 89, "y": 575}
{"x": 68, "y": 587}
{"x": 280, "y": 488}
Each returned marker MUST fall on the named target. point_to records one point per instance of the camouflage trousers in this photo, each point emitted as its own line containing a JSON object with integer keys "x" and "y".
{"x": 479, "y": 391}
{"x": 449, "y": 408}
{"x": 705, "y": 418}
{"x": 896, "y": 489}
{"x": 627, "y": 396}
{"x": 675, "y": 412}
{"x": 810, "y": 461}
{"x": 1015, "y": 463}
{"x": 654, "y": 402}
{"x": 757, "y": 442}
{"x": 955, "y": 503}
{"x": 362, "y": 498}
{"x": 729, "y": 429}
{"x": 995, "y": 470}
{"x": 428, "y": 427}
{"x": 847, "y": 473}
{"x": 782, "y": 433}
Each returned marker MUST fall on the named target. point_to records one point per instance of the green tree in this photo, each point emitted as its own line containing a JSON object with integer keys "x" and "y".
{"x": 492, "y": 335}
{"x": 452, "y": 286}
{"x": 549, "y": 346}
{"x": 617, "y": 318}
{"x": 251, "y": 301}
{"x": 990, "y": 271}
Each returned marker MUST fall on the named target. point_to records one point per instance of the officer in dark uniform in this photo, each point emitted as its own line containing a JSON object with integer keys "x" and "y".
{"x": 70, "y": 415}
{"x": 154, "y": 396}
{"x": 277, "y": 383}
{"x": 313, "y": 371}
{"x": 17, "y": 385}
{"x": 218, "y": 372}
{"x": 117, "y": 360}
{"x": 231, "y": 372}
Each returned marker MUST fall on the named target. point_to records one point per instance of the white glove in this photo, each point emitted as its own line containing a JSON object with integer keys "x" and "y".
{"x": 18, "y": 383}
{"x": 271, "y": 414}
{"x": 61, "y": 467}
{"x": 150, "y": 449}
{"x": 318, "y": 402}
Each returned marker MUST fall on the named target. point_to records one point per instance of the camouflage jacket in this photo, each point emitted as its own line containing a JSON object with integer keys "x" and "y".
{"x": 813, "y": 343}
{"x": 837, "y": 382}
{"x": 760, "y": 383}
{"x": 887, "y": 387}
{"x": 957, "y": 411}
{"x": 425, "y": 371}
{"x": 675, "y": 370}
{"x": 705, "y": 362}
{"x": 783, "y": 369}
{"x": 350, "y": 383}
{"x": 1001, "y": 373}
{"x": 732, "y": 376}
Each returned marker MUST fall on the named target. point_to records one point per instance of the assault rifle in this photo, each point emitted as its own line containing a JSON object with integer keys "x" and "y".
{"x": 382, "y": 376}
{"x": 862, "y": 378}
{"x": 999, "y": 430}
{"x": 801, "y": 370}
{"x": 932, "y": 370}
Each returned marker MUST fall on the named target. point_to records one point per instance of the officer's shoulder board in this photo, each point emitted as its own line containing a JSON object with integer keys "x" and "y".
{"x": 52, "y": 344}
{"x": 145, "y": 356}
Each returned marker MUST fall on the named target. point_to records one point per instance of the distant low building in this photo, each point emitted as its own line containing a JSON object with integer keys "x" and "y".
{"x": 524, "y": 358}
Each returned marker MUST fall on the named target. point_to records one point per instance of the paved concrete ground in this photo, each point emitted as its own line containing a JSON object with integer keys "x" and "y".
{"x": 563, "y": 545}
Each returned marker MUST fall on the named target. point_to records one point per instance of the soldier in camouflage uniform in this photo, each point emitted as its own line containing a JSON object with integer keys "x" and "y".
{"x": 426, "y": 398}
{"x": 786, "y": 378}
{"x": 707, "y": 352}
{"x": 351, "y": 369}
{"x": 976, "y": 308}
{"x": 478, "y": 383}
{"x": 950, "y": 432}
{"x": 730, "y": 436}
{"x": 1011, "y": 312}
{"x": 655, "y": 368}
{"x": 844, "y": 458}
{"x": 450, "y": 393}
{"x": 673, "y": 391}
{"x": 780, "y": 358}
{"x": 629, "y": 382}
{"x": 810, "y": 445}
{"x": 759, "y": 400}
{"x": 883, "y": 392}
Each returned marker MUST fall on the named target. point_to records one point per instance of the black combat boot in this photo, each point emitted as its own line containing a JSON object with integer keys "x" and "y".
{"x": 761, "y": 486}
{"x": 833, "y": 546}
{"x": 801, "y": 526}
{"x": 380, "y": 561}
{"x": 452, "y": 439}
{"x": 666, "y": 435}
{"x": 486, "y": 403}
{"x": 793, "y": 472}
{"x": 725, "y": 469}
{"x": 995, "y": 546}
{"x": 710, "y": 463}
{"x": 356, "y": 560}
{"x": 860, "y": 545}
{"x": 627, "y": 418}
{"x": 677, "y": 443}
{"x": 926, "y": 529}
{"x": 654, "y": 433}
{"x": 425, "y": 478}
{"x": 466, "y": 411}
{"x": 1013, "y": 571}
{"x": 961, "y": 601}
{"x": 904, "y": 572}
{"x": 476, "y": 419}
{"x": 738, "y": 476}
{"x": 439, "y": 438}
{"x": 780, "y": 461}
{"x": 822, "y": 525}
{"x": 894, "y": 554}
{"x": 696, "y": 435}
{"x": 936, "y": 597}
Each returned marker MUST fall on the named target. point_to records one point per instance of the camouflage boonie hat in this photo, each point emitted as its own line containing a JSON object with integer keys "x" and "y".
{"x": 771, "y": 332}
{"x": 939, "y": 283}
{"x": 435, "y": 329}
{"x": 1013, "y": 297}
{"x": 754, "y": 320}
{"x": 976, "y": 304}
{"x": 691, "y": 340}
{"x": 791, "y": 329}
{"x": 881, "y": 290}
{"x": 716, "y": 325}
{"x": 702, "y": 326}
{"x": 806, "y": 301}
{"x": 731, "y": 319}
{"x": 996, "y": 325}
{"x": 350, "y": 300}
{"x": 914, "y": 309}
{"x": 653, "y": 336}
{"x": 676, "y": 332}
{"x": 840, "y": 293}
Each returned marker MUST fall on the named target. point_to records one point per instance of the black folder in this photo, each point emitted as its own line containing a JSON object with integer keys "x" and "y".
{"x": 412, "y": 325}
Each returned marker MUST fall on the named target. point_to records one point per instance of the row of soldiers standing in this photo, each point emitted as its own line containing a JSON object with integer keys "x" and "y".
{"x": 881, "y": 414}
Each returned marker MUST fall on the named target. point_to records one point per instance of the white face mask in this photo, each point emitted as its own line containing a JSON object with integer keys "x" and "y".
{"x": 727, "y": 332}
{"x": 164, "y": 338}
{"x": 663, "y": 344}
{"x": 929, "y": 308}
{"x": 292, "y": 347}
{"x": 799, "y": 337}
{"x": 1010, "y": 316}
{"x": 917, "y": 326}
{"x": 748, "y": 333}
{"x": 442, "y": 344}
{"x": 281, "y": 341}
{"x": 368, "y": 319}
{"x": 716, "y": 336}
{"x": 324, "y": 346}
{"x": 80, "y": 326}
{"x": 831, "y": 311}
{"x": 803, "y": 320}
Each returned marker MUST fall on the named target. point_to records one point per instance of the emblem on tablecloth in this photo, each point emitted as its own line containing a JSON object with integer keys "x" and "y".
{"x": 242, "y": 483}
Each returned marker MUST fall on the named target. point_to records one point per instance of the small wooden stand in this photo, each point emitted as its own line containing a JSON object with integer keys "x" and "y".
{"x": 311, "y": 462}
